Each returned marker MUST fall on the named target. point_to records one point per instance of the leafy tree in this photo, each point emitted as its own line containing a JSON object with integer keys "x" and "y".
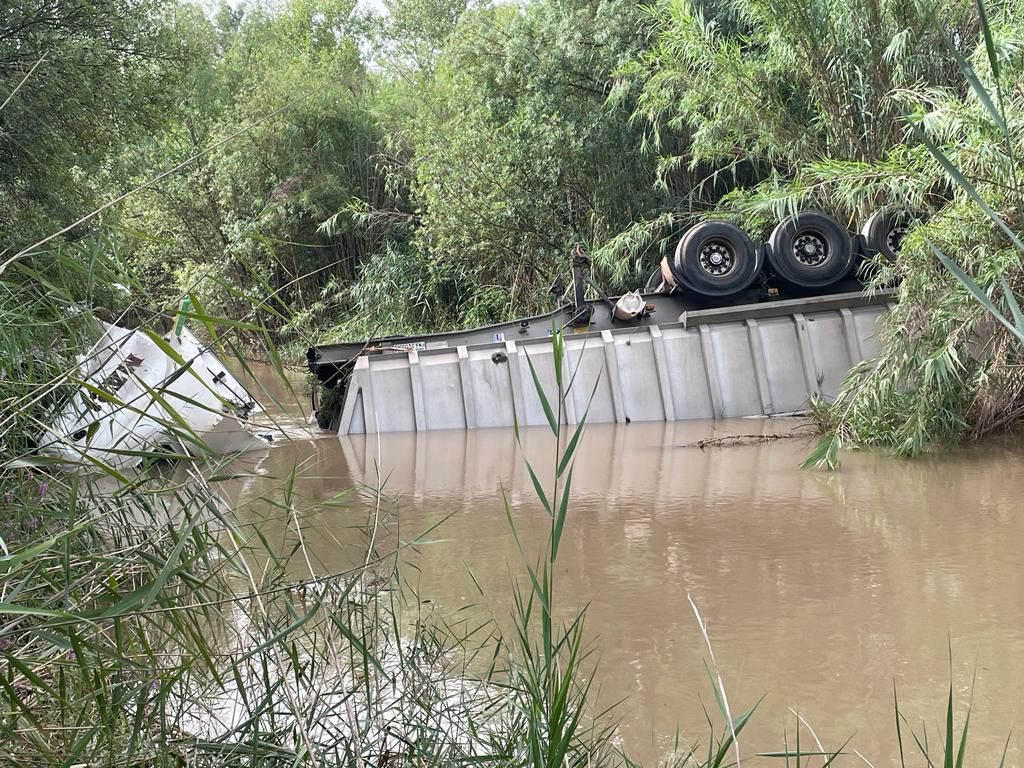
{"x": 281, "y": 102}
{"x": 518, "y": 156}
{"x": 412, "y": 34}
{"x": 78, "y": 80}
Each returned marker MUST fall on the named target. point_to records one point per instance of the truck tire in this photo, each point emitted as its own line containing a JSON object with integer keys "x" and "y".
{"x": 883, "y": 232}
{"x": 716, "y": 258}
{"x": 810, "y": 250}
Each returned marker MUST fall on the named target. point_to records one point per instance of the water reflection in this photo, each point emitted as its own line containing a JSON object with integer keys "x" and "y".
{"x": 820, "y": 590}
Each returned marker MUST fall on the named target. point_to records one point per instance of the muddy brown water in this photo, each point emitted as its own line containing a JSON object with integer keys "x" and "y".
{"x": 821, "y": 591}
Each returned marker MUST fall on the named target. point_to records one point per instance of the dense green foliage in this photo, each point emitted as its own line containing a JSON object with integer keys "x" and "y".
{"x": 79, "y": 83}
{"x": 948, "y": 368}
{"x": 807, "y": 99}
{"x": 288, "y": 93}
{"x": 516, "y": 111}
{"x": 439, "y": 181}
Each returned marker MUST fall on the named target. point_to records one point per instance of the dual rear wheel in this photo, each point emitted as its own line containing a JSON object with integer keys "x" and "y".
{"x": 884, "y": 231}
{"x": 715, "y": 259}
{"x": 810, "y": 250}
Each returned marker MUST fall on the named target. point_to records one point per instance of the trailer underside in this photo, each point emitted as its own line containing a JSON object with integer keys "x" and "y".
{"x": 759, "y": 354}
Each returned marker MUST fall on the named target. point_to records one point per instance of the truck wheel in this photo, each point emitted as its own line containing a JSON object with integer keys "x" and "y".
{"x": 810, "y": 250}
{"x": 883, "y": 232}
{"x": 716, "y": 258}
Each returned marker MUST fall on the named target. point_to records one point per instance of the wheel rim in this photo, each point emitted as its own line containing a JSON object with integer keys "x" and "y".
{"x": 717, "y": 258}
{"x": 811, "y": 249}
{"x": 894, "y": 238}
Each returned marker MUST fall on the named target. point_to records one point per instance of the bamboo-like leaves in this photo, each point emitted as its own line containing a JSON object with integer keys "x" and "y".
{"x": 964, "y": 141}
{"x": 1016, "y": 326}
{"x": 957, "y": 176}
{"x": 972, "y": 77}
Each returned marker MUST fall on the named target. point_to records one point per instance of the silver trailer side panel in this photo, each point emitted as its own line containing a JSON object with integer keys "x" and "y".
{"x": 759, "y": 360}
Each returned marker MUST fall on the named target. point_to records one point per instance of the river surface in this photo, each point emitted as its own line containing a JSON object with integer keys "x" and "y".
{"x": 821, "y": 591}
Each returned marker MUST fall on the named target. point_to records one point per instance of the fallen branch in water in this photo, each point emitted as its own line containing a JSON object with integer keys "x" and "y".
{"x": 734, "y": 440}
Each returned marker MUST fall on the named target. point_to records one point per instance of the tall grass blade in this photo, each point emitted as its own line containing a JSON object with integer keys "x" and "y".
{"x": 957, "y": 176}
{"x": 560, "y": 516}
{"x": 1011, "y": 300}
{"x": 570, "y": 448}
{"x": 544, "y": 404}
{"x": 539, "y": 490}
{"x": 899, "y": 728}
{"x": 1006, "y": 747}
{"x": 990, "y": 46}
{"x": 976, "y": 291}
{"x": 947, "y": 753}
{"x": 961, "y": 751}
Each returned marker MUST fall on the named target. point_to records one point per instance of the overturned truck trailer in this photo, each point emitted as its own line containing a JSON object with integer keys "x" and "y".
{"x": 759, "y": 356}
{"x": 726, "y": 329}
